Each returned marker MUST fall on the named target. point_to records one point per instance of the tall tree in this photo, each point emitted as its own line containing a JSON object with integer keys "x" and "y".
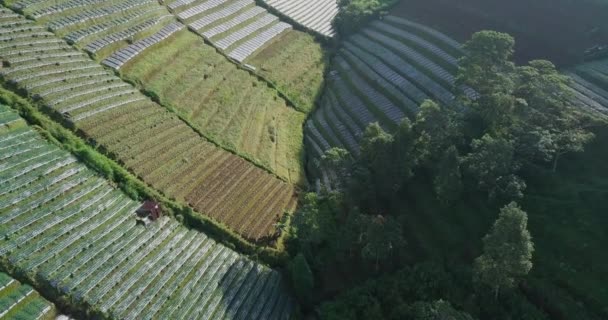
{"x": 376, "y": 179}
{"x": 314, "y": 221}
{"x": 548, "y": 125}
{"x": 339, "y": 163}
{"x": 507, "y": 251}
{"x": 448, "y": 180}
{"x": 487, "y": 68}
{"x": 302, "y": 279}
{"x": 383, "y": 236}
{"x": 434, "y": 130}
{"x": 492, "y": 164}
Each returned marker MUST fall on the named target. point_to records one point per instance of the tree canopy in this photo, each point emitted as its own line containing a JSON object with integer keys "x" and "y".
{"x": 507, "y": 250}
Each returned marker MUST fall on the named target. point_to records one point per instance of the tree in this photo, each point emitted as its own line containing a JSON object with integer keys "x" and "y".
{"x": 339, "y": 162}
{"x": 404, "y": 157}
{"x": 312, "y": 224}
{"x": 492, "y": 161}
{"x": 549, "y": 126}
{"x": 349, "y": 236}
{"x": 448, "y": 180}
{"x": 382, "y": 237}
{"x": 435, "y": 129}
{"x": 507, "y": 251}
{"x": 375, "y": 171}
{"x": 437, "y": 310}
{"x": 302, "y": 279}
{"x": 487, "y": 68}
{"x": 355, "y": 13}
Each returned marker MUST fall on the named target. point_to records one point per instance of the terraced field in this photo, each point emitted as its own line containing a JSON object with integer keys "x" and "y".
{"x": 142, "y": 135}
{"x": 117, "y": 37}
{"x": 382, "y": 74}
{"x": 590, "y": 82}
{"x": 101, "y": 27}
{"x": 293, "y": 60}
{"x": 316, "y": 15}
{"x": 21, "y": 302}
{"x": 237, "y": 27}
{"x": 296, "y": 63}
{"x": 224, "y": 102}
{"x": 77, "y": 233}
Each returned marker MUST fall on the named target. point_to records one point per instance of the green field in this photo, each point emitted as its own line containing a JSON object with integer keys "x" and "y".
{"x": 227, "y": 104}
{"x": 74, "y": 234}
{"x": 21, "y": 302}
{"x": 142, "y": 135}
{"x": 296, "y": 63}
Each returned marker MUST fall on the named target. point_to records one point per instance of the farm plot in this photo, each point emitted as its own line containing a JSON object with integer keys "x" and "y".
{"x": 296, "y": 64}
{"x": 382, "y": 74}
{"x": 101, "y": 27}
{"x": 77, "y": 233}
{"x": 590, "y": 85}
{"x": 139, "y": 133}
{"x": 21, "y": 302}
{"x": 237, "y": 27}
{"x": 316, "y": 15}
{"x": 227, "y": 104}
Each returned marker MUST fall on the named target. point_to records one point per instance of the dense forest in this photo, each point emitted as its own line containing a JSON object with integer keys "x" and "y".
{"x": 430, "y": 221}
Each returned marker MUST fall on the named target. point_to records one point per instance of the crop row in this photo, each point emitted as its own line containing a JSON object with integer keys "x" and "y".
{"x": 139, "y": 133}
{"x": 21, "y": 302}
{"x": 238, "y": 27}
{"x": 382, "y": 74}
{"x": 95, "y": 25}
{"x": 79, "y": 235}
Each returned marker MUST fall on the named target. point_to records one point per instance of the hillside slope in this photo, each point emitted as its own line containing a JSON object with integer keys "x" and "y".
{"x": 70, "y": 230}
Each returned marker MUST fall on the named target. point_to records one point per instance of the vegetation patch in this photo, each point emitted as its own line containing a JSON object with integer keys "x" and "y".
{"x": 296, "y": 63}
{"x": 225, "y": 103}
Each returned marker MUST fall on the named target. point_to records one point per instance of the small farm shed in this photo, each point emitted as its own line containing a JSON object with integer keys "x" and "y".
{"x": 149, "y": 212}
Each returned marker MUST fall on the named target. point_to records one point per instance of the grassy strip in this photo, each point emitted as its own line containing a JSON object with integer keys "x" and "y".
{"x": 130, "y": 184}
{"x": 290, "y": 102}
{"x": 298, "y": 64}
{"x": 156, "y": 97}
{"x": 225, "y": 146}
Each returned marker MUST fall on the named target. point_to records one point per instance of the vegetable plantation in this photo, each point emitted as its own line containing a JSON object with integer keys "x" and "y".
{"x": 21, "y": 302}
{"x": 64, "y": 225}
{"x": 382, "y": 74}
{"x": 225, "y": 103}
{"x": 139, "y": 133}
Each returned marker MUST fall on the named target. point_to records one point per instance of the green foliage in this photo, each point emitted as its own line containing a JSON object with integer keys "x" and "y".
{"x": 353, "y": 14}
{"x": 529, "y": 106}
{"x": 507, "y": 251}
{"x": 397, "y": 296}
{"x": 340, "y": 162}
{"x": 386, "y": 162}
{"x": 312, "y": 223}
{"x": 437, "y": 310}
{"x": 448, "y": 179}
{"x": 302, "y": 279}
{"x": 435, "y": 129}
{"x": 492, "y": 164}
{"x": 487, "y": 68}
{"x": 381, "y": 237}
